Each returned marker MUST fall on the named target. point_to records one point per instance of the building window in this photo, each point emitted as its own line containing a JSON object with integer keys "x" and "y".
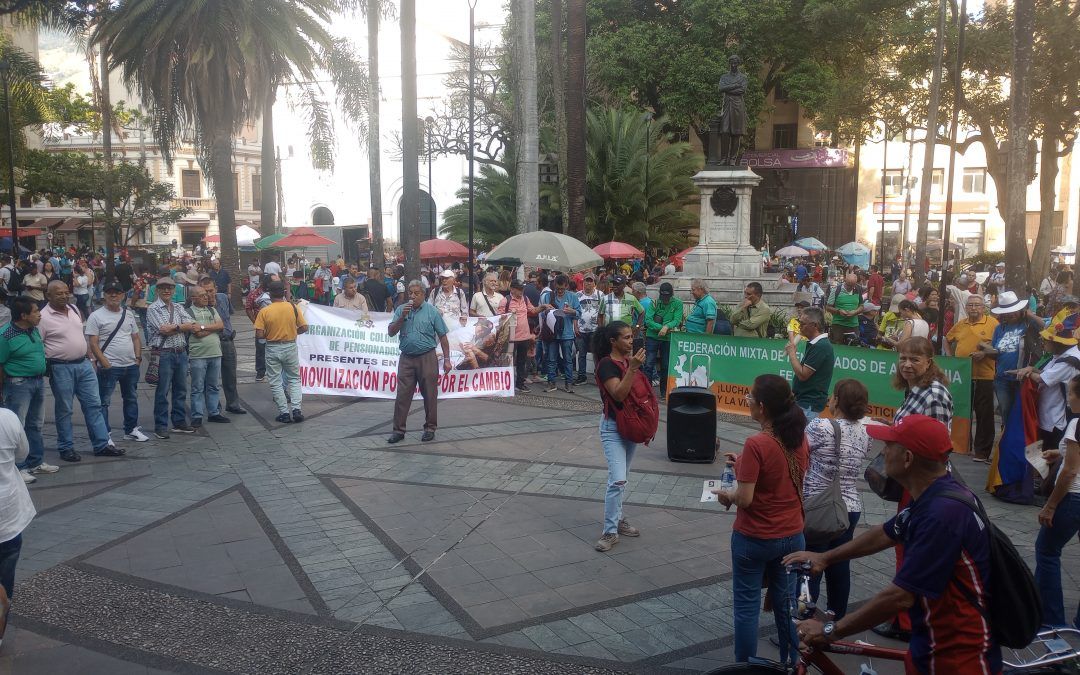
{"x": 937, "y": 181}
{"x": 84, "y": 202}
{"x": 971, "y": 234}
{"x": 784, "y": 136}
{"x": 975, "y": 180}
{"x": 256, "y": 192}
{"x": 780, "y": 93}
{"x": 894, "y": 182}
{"x": 25, "y": 201}
{"x": 190, "y": 184}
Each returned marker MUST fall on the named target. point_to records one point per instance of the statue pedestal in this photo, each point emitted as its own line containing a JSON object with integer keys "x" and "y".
{"x": 724, "y": 257}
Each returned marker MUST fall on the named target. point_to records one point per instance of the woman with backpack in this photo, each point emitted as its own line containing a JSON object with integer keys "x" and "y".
{"x": 769, "y": 523}
{"x": 838, "y": 447}
{"x": 630, "y": 416}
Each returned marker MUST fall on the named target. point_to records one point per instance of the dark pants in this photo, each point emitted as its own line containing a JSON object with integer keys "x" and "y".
{"x": 260, "y": 358}
{"x": 583, "y": 341}
{"x": 128, "y": 378}
{"x": 1048, "y": 547}
{"x": 656, "y": 361}
{"x": 841, "y": 335}
{"x": 982, "y": 404}
{"x": 422, "y": 369}
{"x": 521, "y": 361}
{"x": 837, "y": 575}
{"x": 228, "y": 373}
{"x": 9, "y": 557}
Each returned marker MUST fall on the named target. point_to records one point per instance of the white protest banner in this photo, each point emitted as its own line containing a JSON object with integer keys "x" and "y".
{"x": 350, "y": 353}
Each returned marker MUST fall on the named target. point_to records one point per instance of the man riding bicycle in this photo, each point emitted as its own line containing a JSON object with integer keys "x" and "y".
{"x": 946, "y": 563}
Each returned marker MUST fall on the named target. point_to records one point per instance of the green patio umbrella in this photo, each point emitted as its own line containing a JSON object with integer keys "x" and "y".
{"x": 267, "y": 242}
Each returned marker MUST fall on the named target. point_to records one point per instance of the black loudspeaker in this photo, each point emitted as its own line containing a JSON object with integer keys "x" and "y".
{"x": 691, "y": 425}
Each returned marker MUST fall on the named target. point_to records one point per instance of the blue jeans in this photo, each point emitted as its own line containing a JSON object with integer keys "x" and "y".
{"x": 619, "y": 453}
{"x": 1005, "y": 391}
{"x": 656, "y": 361}
{"x": 810, "y": 414}
{"x": 559, "y": 353}
{"x": 583, "y": 344}
{"x": 205, "y": 389}
{"x": 25, "y": 396}
{"x": 1048, "y": 545}
{"x": 172, "y": 377}
{"x": 837, "y": 575}
{"x": 751, "y": 560}
{"x": 128, "y": 377}
{"x": 77, "y": 380}
{"x": 283, "y": 369}
{"x": 9, "y": 557}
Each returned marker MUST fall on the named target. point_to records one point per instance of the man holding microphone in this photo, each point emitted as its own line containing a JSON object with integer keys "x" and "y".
{"x": 420, "y": 326}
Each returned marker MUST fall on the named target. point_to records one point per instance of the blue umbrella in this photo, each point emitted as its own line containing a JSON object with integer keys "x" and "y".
{"x": 5, "y": 245}
{"x": 853, "y": 248}
{"x": 811, "y": 244}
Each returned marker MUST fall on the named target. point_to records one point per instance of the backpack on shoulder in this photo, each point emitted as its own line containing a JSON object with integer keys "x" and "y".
{"x": 639, "y": 416}
{"x": 1014, "y": 608}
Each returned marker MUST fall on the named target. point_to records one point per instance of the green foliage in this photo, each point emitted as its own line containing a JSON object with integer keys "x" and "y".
{"x": 622, "y": 149}
{"x": 495, "y": 215}
{"x": 725, "y": 311}
{"x": 139, "y": 201}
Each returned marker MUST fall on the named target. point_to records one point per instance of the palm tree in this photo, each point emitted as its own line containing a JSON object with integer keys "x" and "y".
{"x": 526, "y": 120}
{"x": 207, "y": 67}
{"x": 621, "y": 150}
{"x": 496, "y": 210}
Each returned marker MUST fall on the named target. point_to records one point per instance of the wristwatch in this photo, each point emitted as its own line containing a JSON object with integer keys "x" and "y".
{"x": 828, "y": 629}
{"x": 202, "y": 327}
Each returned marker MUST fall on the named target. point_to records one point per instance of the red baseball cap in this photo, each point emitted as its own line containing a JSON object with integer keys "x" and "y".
{"x": 922, "y": 435}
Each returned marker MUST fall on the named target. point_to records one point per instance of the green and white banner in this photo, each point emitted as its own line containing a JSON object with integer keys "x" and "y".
{"x": 728, "y": 365}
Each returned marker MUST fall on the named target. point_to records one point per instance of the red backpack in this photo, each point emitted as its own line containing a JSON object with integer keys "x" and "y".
{"x": 639, "y": 415}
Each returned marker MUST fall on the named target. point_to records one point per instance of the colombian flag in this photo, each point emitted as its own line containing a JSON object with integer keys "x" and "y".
{"x": 1011, "y": 478}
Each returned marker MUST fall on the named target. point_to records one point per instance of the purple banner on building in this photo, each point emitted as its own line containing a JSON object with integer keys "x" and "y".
{"x": 809, "y": 158}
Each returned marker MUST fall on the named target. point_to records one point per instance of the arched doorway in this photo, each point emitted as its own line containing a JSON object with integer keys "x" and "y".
{"x": 428, "y": 216}
{"x": 322, "y": 217}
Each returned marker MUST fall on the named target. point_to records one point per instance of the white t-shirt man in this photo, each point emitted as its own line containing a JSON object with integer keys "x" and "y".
{"x": 1059, "y": 371}
{"x": 486, "y": 305}
{"x": 1070, "y": 435}
{"x": 272, "y": 267}
{"x": 121, "y": 350}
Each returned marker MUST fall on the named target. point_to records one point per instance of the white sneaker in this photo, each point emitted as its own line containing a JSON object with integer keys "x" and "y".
{"x": 27, "y": 478}
{"x": 136, "y": 435}
{"x": 44, "y": 468}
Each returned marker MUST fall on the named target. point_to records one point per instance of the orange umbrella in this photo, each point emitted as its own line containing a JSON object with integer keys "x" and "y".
{"x": 443, "y": 249}
{"x": 303, "y": 237}
{"x": 614, "y": 250}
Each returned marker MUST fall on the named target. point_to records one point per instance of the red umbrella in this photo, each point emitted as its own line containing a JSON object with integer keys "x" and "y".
{"x": 614, "y": 250}
{"x": 303, "y": 237}
{"x": 679, "y": 258}
{"x": 443, "y": 249}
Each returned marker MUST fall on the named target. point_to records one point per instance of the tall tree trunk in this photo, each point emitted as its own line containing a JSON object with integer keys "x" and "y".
{"x": 558, "y": 88}
{"x": 527, "y": 167}
{"x": 1016, "y": 257}
{"x": 221, "y": 177}
{"x": 374, "y": 167}
{"x": 905, "y": 259}
{"x": 931, "y": 138}
{"x": 575, "y": 117}
{"x": 111, "y": 228}
{"x": 410, "y": 144}
{"x": 1045, "y": 239}
{"x": 268, "y": 174}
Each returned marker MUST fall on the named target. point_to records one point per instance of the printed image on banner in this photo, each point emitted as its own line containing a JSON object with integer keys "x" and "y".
{"x": 728, "y": 365}
{"x": 351, "y": 353}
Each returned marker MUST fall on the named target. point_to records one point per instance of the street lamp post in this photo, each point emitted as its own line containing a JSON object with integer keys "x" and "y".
{"x": 884, "y": 172}
{"x": 472, "y": 133}
{"x": 429, "y": 122}
{"x": 5, "y": 74}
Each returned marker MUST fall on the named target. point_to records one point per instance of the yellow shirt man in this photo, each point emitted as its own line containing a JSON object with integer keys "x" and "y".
{"x": 279, "y": 321}
{"x": 967, "y": 335}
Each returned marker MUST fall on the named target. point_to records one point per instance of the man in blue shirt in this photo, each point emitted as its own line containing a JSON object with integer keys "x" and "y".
{"x": 560, "y": 304}
{"x": 420, "y": 326}
{"x": 1013, "y": 346}
{"x": 703, "y": 314}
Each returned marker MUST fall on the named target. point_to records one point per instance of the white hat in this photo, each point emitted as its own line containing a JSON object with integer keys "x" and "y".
{"x": 1000, "y": 264}
{"x": 870, "y": 307}
{"x": 1008, "y": 303}
{"x": 448, "y": 274}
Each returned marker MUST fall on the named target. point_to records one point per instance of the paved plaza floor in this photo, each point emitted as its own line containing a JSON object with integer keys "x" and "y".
{"x": 318, "y": 548}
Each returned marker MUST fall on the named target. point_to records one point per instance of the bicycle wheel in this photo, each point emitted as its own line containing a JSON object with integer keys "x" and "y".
{"x": 747, "y": 669}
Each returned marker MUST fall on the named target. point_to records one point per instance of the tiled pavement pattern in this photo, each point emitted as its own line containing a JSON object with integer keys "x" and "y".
{"x": 480, "y": 540}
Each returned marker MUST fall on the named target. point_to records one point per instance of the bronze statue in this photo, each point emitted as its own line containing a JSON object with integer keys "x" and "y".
{"x": 732, "y": 122}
